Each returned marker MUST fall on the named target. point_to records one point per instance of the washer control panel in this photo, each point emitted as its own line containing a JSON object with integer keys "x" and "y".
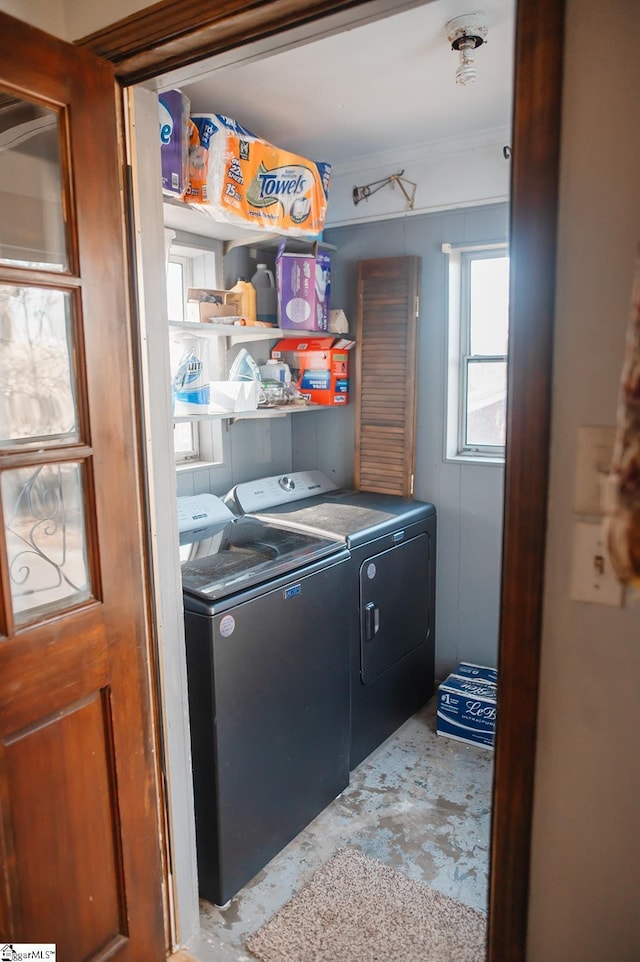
{"x": 254, "y": 496}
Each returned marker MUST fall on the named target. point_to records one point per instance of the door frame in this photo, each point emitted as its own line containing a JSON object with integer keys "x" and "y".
{"x": 174, "y": 34}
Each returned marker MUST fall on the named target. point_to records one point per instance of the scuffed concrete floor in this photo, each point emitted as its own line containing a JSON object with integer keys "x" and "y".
{"x": 420, "y": 803}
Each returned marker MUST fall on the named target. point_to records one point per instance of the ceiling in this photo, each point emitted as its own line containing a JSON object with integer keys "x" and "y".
{"x": 371, "y": 88}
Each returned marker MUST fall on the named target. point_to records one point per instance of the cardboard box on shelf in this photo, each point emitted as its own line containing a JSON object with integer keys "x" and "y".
{"x": 319, "y": 367}
{"x": 303, "y": 283}
{"x": 207, "y": 304}
{"x": 467, "y": 709}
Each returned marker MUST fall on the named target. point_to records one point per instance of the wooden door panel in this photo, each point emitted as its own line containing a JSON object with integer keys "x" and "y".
{"x": 78, "y": 779}
{"x": 61, "y": 799}
{"x": 79, "y": 660}
{"x": 386, "y": 366}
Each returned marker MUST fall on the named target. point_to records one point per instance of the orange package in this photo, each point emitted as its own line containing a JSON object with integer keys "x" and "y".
{"x": 244, "y": 180}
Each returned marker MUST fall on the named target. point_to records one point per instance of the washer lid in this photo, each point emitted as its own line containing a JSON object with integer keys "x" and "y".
{"x": 226, "y": 558}
{"x": 354, "y": 516}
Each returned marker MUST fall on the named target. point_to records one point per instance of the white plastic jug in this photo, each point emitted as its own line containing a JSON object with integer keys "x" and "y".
{"x": 266, "y": 299}
{"x": 275, "y": 371}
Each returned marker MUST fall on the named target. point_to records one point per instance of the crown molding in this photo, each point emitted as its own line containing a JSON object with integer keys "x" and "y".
{"x": 416, "y": 153}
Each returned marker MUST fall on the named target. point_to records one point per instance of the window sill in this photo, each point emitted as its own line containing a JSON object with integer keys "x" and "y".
{"x": 195, "y": 465}
{"x": 494, "y": 462}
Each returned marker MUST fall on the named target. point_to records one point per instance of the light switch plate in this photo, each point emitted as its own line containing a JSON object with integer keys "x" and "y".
{"x": 593, "y": 462}
{"x": 592, "y": 576}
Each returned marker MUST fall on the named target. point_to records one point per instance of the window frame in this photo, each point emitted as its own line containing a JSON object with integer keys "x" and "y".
{"x": 201, "y": 267}
{"x": 459, "y": 356}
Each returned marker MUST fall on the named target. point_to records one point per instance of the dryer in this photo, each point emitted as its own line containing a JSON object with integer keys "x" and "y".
{"x": 391, "y": 606}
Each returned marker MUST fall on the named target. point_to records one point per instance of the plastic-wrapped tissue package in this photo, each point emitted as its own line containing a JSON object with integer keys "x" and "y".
{"x": 173, "y": 108}
{"x": 241, "y": 179}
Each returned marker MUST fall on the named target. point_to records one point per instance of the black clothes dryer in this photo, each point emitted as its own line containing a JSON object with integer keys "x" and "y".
{"x": 392, "y": 572}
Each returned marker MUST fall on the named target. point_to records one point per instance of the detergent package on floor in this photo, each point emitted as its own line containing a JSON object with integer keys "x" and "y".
{"x": 241, "y": 179}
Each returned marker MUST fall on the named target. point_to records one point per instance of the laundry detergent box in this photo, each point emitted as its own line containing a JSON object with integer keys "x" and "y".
{"x": 319, "y": 367}
{"x": 174, "y": 107}
{"x": 303, "y": 283}
{"x": 467, "y": 710}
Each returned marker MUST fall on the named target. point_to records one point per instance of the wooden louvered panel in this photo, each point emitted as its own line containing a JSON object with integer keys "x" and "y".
{"x": 386, "y": 374}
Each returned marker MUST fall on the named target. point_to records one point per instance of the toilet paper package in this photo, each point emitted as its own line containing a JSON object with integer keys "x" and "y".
{"x": 240, "y": 178}
{"x": 173, "y": 108}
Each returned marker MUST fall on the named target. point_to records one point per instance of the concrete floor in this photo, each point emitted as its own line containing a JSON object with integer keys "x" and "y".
{"x": 420, "y": 803}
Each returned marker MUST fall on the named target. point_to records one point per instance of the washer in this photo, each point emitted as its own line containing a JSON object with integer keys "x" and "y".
{"x": 392, "y": 545}
{"x": 268, "y": 674}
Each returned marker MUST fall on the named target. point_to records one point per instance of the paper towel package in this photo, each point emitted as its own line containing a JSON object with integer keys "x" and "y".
{"x": 242, "y": 179}
{"x": 173, "y": 107}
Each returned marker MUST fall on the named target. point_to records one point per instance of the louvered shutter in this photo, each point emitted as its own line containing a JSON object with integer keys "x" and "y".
{"x": 386, "y": 374}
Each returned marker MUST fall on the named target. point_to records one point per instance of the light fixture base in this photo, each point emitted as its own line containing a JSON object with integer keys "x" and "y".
{"x": 473, "y": 26}
{"x": 466, "y": 34}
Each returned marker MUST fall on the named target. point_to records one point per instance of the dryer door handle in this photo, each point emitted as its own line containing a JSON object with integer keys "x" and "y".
{"x": 371, "y": 620}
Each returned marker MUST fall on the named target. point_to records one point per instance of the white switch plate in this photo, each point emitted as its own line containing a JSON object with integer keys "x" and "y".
{"x": 592, "y": 577}
{"x": 593, "y": 462}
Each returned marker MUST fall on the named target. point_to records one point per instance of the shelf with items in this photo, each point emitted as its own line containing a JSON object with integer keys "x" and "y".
{"x": 258, "y": 414}
{"x": 236, "y": 333}
{"x": 194, "y": 219}
{"x": 239, "y": 333}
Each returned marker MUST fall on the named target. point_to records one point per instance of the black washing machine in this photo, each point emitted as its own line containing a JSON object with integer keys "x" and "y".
{"x": 391, "y": 608}
{"x": 268, "y": 677}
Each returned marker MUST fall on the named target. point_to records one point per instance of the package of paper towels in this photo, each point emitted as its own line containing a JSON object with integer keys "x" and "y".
{"x": 241, "y": 179}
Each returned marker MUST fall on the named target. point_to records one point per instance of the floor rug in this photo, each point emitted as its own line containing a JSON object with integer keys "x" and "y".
{"x": 355, "y": 909}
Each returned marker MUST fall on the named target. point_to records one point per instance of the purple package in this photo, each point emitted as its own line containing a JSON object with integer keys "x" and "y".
{"x": 303, "y": 283}
{"x": 174, "y": 110}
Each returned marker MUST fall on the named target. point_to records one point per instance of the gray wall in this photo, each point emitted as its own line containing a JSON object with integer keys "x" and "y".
{"x": 468, "y": 497}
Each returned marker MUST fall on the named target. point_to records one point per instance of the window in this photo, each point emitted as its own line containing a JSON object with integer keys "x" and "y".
{"x": 478, "y": 337}
{"x": 193, "y": 267}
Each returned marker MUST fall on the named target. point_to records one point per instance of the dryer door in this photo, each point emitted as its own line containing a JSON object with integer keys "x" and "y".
{"x": 395, "y": 615}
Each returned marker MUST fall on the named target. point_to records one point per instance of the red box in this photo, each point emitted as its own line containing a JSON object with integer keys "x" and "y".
{"x": 319, "y": 367}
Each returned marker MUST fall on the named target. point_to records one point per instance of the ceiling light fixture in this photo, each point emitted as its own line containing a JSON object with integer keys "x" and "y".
{"x": 466, "y": 34}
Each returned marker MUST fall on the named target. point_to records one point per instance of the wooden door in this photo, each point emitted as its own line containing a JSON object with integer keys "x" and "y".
{"x": 79, "y": 826}
{"x": 386, "y": 374}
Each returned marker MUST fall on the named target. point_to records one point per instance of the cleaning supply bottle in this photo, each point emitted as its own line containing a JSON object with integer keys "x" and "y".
{"x": 266, "y": 300}
{"x": 248, "y": 299}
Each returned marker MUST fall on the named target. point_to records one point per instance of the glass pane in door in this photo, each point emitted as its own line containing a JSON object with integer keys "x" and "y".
{"x": 32, "y": 228}
{"x": 38, "y": 404}
{"x": 44, "y": 523}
